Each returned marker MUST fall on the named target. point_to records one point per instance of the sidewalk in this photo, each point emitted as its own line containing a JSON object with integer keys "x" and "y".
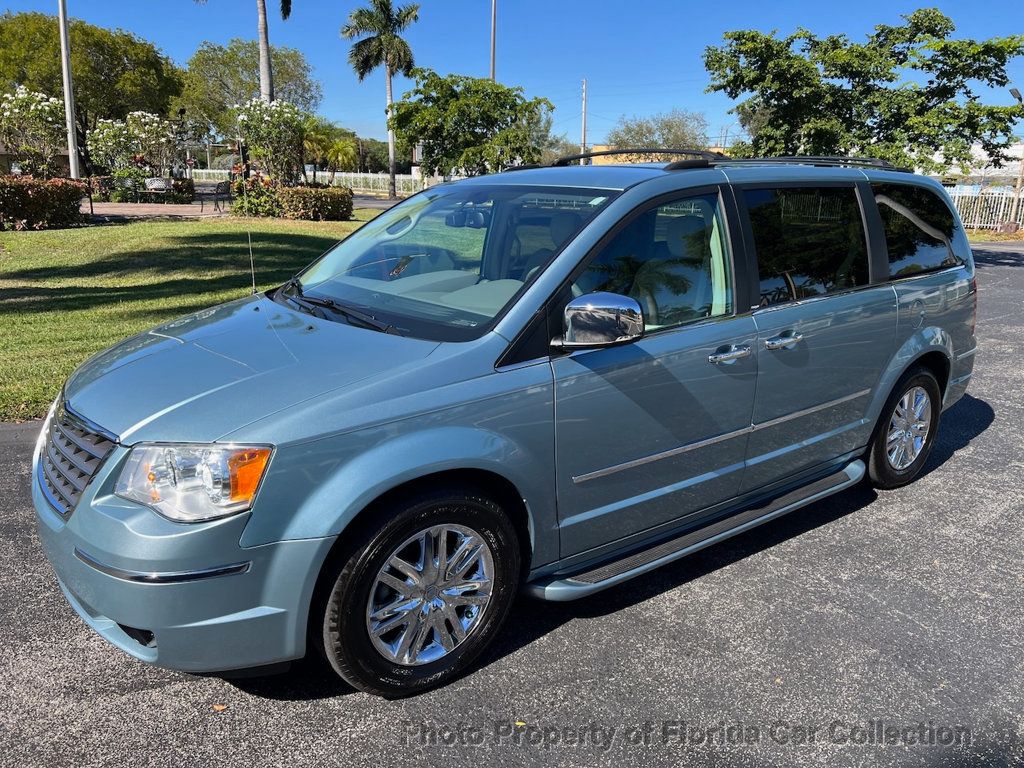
{"x": 125, "y": 211}
{"x": 131, "y": 211}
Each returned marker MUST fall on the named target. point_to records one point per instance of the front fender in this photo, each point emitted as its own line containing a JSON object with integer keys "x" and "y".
{"x": 316, "y": 489}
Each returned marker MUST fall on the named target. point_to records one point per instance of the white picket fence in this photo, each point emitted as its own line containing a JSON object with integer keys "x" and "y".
{"x": 987, "y": 210}
{"x": 405, "y": 183}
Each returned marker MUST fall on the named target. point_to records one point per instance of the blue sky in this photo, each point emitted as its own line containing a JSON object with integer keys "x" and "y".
{"x": 639, "y": 57}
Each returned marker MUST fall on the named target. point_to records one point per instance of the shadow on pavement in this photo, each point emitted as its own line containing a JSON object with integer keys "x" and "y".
{"x": 985, "y": 257}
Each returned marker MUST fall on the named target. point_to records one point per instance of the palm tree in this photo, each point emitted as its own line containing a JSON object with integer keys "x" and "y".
{"x": 266, "y": 73}
{"x": 317, "y": 136}
{"x": 379, "y": 26}
{"x": 341, "y": 155}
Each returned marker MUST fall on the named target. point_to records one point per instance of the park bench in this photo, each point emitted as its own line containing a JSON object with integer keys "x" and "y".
{"x": 221, "y": 193}
{"x": 159, "y": 186}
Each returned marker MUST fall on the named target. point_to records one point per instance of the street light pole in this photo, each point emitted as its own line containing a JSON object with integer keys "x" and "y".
{"x": 583, "y": 135}
{"x": 69, "y": 96}
{"x": 494, "y": 33}
{"x": 1020, "y": 171}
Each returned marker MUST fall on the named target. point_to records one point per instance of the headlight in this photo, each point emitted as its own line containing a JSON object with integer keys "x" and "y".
{"x": 188, "y": 483}
{"x": 41, "y": 440}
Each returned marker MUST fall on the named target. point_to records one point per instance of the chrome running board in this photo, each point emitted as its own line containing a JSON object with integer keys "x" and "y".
{"x": 609, "y": 574}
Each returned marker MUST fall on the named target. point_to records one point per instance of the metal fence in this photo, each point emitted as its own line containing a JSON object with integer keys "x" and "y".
{"x": 987, "y": 210}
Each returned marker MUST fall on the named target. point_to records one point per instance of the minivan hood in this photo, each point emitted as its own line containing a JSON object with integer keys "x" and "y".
{"x": 204, "y": 375}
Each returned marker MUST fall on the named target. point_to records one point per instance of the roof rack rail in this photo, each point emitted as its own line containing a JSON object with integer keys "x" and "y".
{"x": 698, "y": 153}
{"x": 824, "y": 161}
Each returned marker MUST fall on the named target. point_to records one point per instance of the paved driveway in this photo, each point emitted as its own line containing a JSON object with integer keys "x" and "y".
{"x": 807, "y": 637}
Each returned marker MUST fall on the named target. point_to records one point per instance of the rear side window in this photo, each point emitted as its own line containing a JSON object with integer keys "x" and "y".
{"x": 809, "y": 241}
{"x": 919, "y": 229}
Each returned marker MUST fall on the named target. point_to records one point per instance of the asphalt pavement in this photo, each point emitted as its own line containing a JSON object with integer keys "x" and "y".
{"x": 882, "y": 628}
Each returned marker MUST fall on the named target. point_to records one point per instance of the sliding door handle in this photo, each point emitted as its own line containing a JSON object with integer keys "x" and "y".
{"x": 783, "y": 341}
{"x": 728, "y": 354}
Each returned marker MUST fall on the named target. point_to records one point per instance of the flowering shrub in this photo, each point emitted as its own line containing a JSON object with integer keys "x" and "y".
{"x": 32, "y": 129}
{"x": 272, "y": 131}
{"x": 316, "y": 203}
{"x": 258, "y": 196}
{"x": 27, "y": 203}
{"x": 110, "y": 144}
{"x": 143, "y": 140}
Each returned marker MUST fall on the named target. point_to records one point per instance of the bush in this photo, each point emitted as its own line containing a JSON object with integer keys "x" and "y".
{"x": 256, "y": 197}
{"x": 129, "y": 184}
{"x": 102, "y": 187}
{"x": 316, "y": 203}
{"x": 182, "y": 191}
{"x": 27, "y": 203}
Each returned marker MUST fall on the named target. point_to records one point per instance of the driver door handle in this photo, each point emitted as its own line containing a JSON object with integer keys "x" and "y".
{"x": 783, "y": 341}
{"x": 728, "y": 355}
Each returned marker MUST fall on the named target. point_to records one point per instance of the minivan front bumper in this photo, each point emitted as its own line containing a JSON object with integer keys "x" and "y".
{"x": 180, "y": 596}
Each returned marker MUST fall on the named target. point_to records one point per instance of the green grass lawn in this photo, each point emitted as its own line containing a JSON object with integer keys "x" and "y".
{"x": 67, "y": 294}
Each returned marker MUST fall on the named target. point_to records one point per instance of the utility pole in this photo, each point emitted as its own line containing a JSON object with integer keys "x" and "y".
{"x": 494, "y": 33}
{"x": 69, "y": 96}
{"x": 583, "y": 138}
{"x": 1020, "y": 171}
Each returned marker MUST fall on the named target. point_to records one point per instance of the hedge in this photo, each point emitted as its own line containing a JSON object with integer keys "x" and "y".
{"x": 316, "y": 203}
{"x": 27, "y": 203}
{"x": 257, "y": 196}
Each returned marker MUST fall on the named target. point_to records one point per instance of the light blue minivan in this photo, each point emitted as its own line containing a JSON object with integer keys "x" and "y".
{"x": 547, "y": 380}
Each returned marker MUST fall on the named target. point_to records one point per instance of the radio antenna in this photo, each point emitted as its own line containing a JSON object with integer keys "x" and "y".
{"x": 248, "y": 225}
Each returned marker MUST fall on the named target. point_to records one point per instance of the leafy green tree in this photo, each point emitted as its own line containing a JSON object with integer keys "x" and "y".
{"x": 218, "y": 77}
{"x": 470, "y": 125}
{"x": 678, "y": 129}
{"x": 264, "y": 53}
{"x": 379, "y": 27}
{"x": 907, "y": 94}
{"x": 373, "y": 156}
{"x": 115, "y": 72}
{"x": 551, "y": 146}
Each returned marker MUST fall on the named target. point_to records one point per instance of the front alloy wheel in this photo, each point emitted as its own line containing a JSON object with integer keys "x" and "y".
{"x": 432, "y": 592}
{"x": 420, "y": 588}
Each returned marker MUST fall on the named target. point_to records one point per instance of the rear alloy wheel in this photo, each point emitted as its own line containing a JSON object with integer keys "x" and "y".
{"x": 906, "y": 433}
{"x": 411, "y": 603}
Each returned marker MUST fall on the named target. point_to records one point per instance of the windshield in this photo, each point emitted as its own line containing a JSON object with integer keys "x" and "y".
{"x": 445, "y": 263}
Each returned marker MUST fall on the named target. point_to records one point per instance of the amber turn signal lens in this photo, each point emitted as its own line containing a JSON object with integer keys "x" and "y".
{"x": 246, "y": 468}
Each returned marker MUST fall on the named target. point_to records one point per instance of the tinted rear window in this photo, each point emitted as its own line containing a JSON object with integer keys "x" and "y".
{"x": 809, "y": 241}
{"x": 919, "y": 229}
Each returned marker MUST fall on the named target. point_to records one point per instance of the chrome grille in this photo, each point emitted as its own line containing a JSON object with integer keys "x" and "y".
{"x": 71, "y": 455}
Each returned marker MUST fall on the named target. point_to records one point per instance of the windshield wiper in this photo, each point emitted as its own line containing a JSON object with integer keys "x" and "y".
{"x": 349, "y": 313}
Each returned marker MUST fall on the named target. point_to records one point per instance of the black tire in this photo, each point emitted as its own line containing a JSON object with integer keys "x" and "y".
{"x": 881, "y": 472}
{"x": 339, "y": 620}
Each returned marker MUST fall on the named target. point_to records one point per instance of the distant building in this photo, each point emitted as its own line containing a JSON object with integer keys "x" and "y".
{"x": 8, "y": 162}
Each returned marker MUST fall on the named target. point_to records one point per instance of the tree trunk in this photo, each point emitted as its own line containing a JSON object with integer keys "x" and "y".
{"x": 266, "y": 74}
{"x": 392, "y": 191}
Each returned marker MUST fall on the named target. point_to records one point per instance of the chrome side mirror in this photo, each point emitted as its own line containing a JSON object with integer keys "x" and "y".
{"x": 601, "y": 320}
